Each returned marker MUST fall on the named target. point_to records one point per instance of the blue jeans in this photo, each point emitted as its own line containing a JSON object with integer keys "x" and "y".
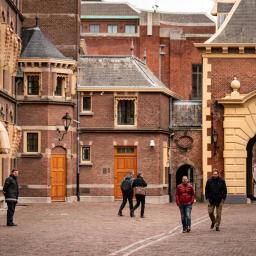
{"x": 185, "y": 212}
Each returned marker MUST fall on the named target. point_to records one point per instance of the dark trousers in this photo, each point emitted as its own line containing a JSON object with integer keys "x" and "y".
{"x": 10, "y": 211}
{"x": 125, "y": 198}
{"x": 140, "y": 199}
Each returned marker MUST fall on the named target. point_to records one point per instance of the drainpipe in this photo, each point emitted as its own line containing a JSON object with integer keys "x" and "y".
{"x": 170, "y": 153}
{"x": 77, "y": 146}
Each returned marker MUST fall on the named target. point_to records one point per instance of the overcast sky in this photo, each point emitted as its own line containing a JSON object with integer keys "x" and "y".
{"x": 172, "y": 5}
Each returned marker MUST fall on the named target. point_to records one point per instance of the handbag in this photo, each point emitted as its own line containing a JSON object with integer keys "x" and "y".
{"x": 140, "y": 191}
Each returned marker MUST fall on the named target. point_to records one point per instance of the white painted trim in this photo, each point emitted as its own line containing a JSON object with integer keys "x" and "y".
{"x": 97, "y": 199}
{"x": 46, "y": 128}
{"x": 36, "y": 200}
{"x": 188, "y": 24}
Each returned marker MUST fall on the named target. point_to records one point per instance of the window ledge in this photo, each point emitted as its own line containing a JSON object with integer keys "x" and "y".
{"x": 32, "y": 155}
{"x": 86, "y": 113}
{"x": 86, "y": 164}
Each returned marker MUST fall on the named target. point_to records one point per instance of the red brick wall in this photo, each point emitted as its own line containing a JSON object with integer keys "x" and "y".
{"x": 152, "y": 111}
{"x": 59, "y": 21}
{"x": 149, "y": 160}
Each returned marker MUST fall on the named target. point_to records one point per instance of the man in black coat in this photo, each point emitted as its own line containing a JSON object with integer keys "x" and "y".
{"x": 11, "y": 193}
{"x": 127, "y": 191}
{"x": 215, "y": 193}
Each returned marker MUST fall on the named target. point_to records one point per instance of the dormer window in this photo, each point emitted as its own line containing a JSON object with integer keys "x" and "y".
{"x": 33, "y": 84}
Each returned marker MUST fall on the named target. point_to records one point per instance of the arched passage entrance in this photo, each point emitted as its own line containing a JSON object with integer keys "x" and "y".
{"x": 185, "y": 170}
{"x": 251, "y": 169}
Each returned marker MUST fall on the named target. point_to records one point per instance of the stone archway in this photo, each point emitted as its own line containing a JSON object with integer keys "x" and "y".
{"x": 239, "y": 129}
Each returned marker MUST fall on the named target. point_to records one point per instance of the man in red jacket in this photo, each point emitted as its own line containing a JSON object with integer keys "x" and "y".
{"x": 185, "y": 196}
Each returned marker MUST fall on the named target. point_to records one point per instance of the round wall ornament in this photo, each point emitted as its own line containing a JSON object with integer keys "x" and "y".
{"x": 185, "y": 142}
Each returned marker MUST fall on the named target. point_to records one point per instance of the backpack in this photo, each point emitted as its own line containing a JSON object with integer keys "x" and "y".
{"x": 126, "y": 185}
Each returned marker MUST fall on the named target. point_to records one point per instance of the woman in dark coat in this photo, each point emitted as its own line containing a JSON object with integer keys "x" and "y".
{"x": 140, "y": 193}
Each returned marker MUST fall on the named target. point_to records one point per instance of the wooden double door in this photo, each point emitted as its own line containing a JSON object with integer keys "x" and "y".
{"x": 58, "y": 177}
{"x": 125, "y": 162}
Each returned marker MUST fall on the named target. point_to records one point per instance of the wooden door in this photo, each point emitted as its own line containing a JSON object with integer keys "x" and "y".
{"x": 58, "y": 177}
{"x": 125, "y": 162}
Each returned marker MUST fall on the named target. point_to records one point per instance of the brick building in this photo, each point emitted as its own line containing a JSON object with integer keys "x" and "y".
{"x": 10, "y": 45}
{"x": 229, "y": 99}
{"x": 124, "y": 126}
{"x": 165, "y": 41}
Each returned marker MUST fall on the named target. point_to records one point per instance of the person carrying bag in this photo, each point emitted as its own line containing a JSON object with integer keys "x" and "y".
{"x": 140, "y": 193}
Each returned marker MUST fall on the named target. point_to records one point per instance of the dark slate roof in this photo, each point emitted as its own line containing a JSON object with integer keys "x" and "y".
{"x": 240, "y": 25}
{"x": 224, "y": 7}
{"x": 116, "y": 72}
{"x": 185, "y": 18}
{"x": 107, "y": 9}
{"x": 36, "y": 45}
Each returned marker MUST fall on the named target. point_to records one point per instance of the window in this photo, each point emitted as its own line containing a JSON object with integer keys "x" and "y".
{"x": 86, "y": 154}
{"x": 130, "y": 29}
{"x": 94, "y": 28}
{"x": 125, "y": 150}
{"x": 87, "y": 103}
{"x": 32, "y": 142}
{"x": 112, "y": 28}
{"x": 60, "y": 86}
{"x": 33, "y": 84}
{"x": 196, "y": 81}
{"x": 126, "y": 112}
{"x": 221, "y": 18}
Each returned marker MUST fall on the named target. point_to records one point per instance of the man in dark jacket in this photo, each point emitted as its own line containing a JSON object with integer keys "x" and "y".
{"x": 185, "y": 196}
{"x": 11, "y": 193}
{"x": 215, "y": 193}
{"x": 127, "y": 191}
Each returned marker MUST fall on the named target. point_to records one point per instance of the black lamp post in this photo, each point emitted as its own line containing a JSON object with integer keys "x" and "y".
{"x": 66, "y": 122}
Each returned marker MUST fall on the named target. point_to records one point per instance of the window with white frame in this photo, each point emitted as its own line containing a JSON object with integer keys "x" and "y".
{"x": 130, "y": 29}
{"x": 33, "y": 84}
{"x": 112, "y": 28}
{"x": 32, "y": 142}
{"x": 86, "y": 154}
{"x": 126, "y": 111}
{"x": 94, "y": 28}
{"x": 87, "y": 103}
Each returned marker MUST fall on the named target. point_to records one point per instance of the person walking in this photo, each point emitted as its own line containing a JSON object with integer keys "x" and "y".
{"x": 11, "y": 194}
{"x": 185, "y": 196}
{"x": 215, "y": 193}
{"x": 140, "y": 193}
{"x": 127, "y": 191}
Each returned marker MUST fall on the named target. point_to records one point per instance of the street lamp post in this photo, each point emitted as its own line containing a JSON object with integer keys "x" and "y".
{"x": 66, "y": 122}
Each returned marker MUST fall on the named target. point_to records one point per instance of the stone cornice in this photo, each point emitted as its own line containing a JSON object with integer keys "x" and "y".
{"x": 115, "y": 130}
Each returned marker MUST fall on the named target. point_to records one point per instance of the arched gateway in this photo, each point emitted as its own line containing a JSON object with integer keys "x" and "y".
{"x": 239, "y": 144}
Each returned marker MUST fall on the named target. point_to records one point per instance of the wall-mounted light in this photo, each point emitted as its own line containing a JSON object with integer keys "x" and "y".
{"x": 152, "y": 143}
{"x": 66, "y": 122}
{"x": 215, "y": 140}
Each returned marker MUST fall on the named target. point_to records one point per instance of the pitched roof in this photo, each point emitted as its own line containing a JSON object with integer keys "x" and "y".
{"x": 185, "y": 18}
{"x": 115, "y": 72}
{"x": 224, "y": 7}
{"x": 36, "y": 45}
{"x": 239, "y": 26}
{"x": 107, "y": 9}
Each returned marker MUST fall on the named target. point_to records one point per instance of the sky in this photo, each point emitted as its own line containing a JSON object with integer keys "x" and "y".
{"x": 172, "y": 5}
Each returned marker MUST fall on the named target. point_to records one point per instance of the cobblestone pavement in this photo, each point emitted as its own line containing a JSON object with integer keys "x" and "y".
{"x": 79, "y": 229}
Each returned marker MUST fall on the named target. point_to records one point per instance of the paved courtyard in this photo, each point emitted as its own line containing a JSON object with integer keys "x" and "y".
{"x": 95, "y": 229}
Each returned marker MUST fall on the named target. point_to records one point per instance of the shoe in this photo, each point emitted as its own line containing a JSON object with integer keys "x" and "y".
{"x": 120, "y": 214}
{"x": 212, "y": 225}
{"x": 131, "y": 214}
{"x": 184, "y": 230}
{"x": 188, "y": 229}
{"x": 142, "y": 216}
{"x": 12, "y": 225}
{"x": 217, "y": 229}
